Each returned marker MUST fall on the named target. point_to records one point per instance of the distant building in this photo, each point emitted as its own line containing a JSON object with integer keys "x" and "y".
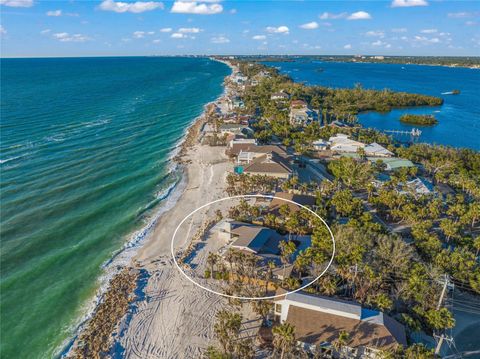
{"x": 393, "y": 163}
{"x": 319, "y": 320}
{"x": 320, "y": 145}
{"x": 280, "y": 96}
{"x": 374, "y": 149}
{"x": 300, "y": 113}
{"x": 342, "y": 143}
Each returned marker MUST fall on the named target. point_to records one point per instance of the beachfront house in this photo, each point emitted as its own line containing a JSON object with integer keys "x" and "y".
{"x": 268, "y": 164}
{"x": 235, "y": 129}
{"x": 249, "y": 237}
{"x": 319, "y": 320}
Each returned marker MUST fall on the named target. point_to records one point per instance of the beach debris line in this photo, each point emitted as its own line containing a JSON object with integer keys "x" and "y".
{"x": 96, "y": 339}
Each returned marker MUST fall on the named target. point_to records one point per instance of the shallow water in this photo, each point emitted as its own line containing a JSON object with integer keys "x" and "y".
{"x": 85, "y": 147}
{"x": 459, "y": 117}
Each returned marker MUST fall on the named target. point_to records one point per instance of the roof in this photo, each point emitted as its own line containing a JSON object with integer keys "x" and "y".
{"x": 248, "y": 147}
{"x": 315, "y": 327}
{"x": 256, "y": 238}
{"x": 376, "y": 149}
{"x": 304, "y": 200}
{"x": 269, "y": 163}
{"x": 298, "y": 103}
{"x": 393, "y": 163}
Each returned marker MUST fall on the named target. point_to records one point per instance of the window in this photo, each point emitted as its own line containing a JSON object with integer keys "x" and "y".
{"x": 278, "y": 308}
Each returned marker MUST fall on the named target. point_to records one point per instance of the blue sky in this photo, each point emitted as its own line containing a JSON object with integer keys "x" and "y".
{"x": 108, "y": 27}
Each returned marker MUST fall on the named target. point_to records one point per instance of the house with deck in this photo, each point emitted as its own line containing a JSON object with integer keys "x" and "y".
{"x": 300, "y": 113}
{"x": 319, "y": 320}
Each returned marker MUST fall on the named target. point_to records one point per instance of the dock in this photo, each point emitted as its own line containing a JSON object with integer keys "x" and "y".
{"x": 414, "y": 132}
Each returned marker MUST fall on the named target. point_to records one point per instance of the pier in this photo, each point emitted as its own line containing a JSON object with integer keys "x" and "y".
{"x": 414, "y": 132}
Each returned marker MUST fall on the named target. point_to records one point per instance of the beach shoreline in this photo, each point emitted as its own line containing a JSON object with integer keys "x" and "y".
{"x": 132, "y": 256}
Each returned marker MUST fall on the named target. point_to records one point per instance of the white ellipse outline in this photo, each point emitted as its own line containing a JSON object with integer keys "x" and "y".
{"x": 250, "y": 298}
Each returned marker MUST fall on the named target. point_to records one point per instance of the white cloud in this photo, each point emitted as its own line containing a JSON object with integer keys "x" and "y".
{"x": 470, "y": 23}
{"x": 409, "y": 3}
{"x": 156, "y": 41}
{"x": 46, "y": 31}
{"x": 399, "y": 29}
{"x": 278, "y": 30}
{"x": 259, "y": 37}
{"x": 330, "y": 16}
{"x": 460, "y": 15}
{"x": 310, "y": 25}
{"x": 141, "y": 34}
{"x": 17, "y": 3}
{"x": 220, "y": 40}
{"x": 177, "y": 35}
{"x": 2, "y": 30}
{"x": 426, "y": 40}
{"x": 166, "y": 29}
{"x": 66, "y": 37}
{"x": 429, "y": 31}
{"x": 377, "y": 33}
{"x": 359, "y": 15}
{"x": 189, "y": 30}
{"x": 133, "y": 7}
{"x": 347, "y": 46}
{"x": 381, "y": 43}
{"x": 198, "y": 8}
{"x": 233, "y": 11}
{"x": 54, "y": 13}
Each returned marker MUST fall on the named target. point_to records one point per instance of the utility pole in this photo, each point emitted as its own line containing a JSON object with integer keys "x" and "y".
{"x": 439, "y": 305}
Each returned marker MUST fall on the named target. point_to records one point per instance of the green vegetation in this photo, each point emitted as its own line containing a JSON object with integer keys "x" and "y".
{"x": 394, "y": 245}
{"x": 424, "y": 120}
{"x": 453, "y": 61}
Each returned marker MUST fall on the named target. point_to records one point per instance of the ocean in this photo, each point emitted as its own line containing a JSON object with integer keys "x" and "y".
{"x": 459, "y": 116}
{"x": 85, "y": 165}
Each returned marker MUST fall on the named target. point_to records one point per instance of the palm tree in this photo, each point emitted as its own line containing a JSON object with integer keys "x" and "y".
{"x": 212, "y": 259}
{"x": 283, "y": 338}
{"x": 286, "y": 251}
{"x": 342, "y": 340}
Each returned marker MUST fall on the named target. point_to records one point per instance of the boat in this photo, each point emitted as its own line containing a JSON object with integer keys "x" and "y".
{"x": 454, "y": 92}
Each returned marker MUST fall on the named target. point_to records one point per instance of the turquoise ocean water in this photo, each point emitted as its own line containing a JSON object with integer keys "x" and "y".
{"x": 459, "y": 116}
{"x": 84, "y": 161}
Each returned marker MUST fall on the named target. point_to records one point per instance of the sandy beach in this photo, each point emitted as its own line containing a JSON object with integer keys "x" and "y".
{"x": 174, "y": 318}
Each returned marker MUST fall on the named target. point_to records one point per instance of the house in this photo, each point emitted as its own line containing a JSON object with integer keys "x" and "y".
{"x": 235, "y": 129}
{"x": 238, "y": 148}
{"x": 419, "y": 186}
{"x": 374, "y": 149}
{"x": 339, "y": 124}
{"x": 250, "y": 237}
{"x": 304, "y": 200}
{"x": 342, "y": 143}
{"x": 237, "y": 102}
{"x": 319, "y": 320}
{"x": 392, "y": 163}
{"x": 320, "y": 145}
{"x": 283, "y": 96}
{"x": 242, "y": 141}
{"x": 300, "y": 113}
{"x": 268, "y": 164}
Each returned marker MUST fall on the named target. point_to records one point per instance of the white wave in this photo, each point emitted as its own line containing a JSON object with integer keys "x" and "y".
{"x": 10, "y": 159}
